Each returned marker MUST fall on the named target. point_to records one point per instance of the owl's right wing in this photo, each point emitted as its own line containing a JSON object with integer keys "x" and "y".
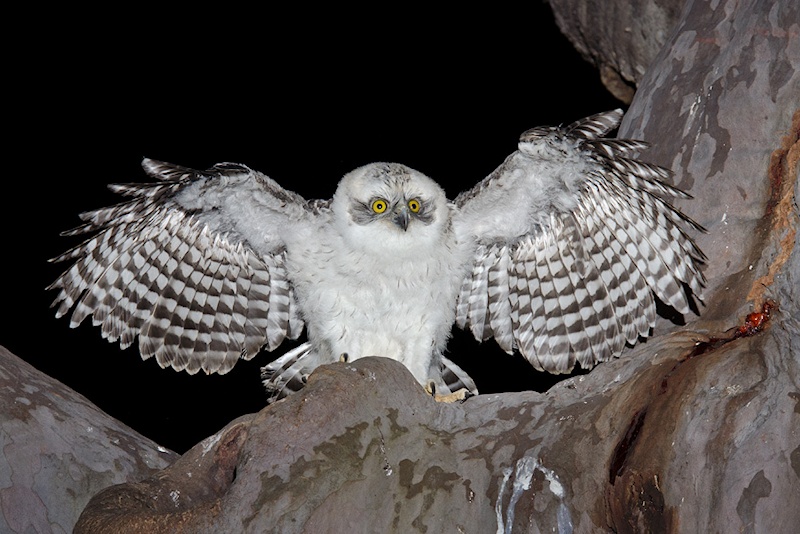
{"x": 193, "y": 264}
{"x": 573, "y": 239}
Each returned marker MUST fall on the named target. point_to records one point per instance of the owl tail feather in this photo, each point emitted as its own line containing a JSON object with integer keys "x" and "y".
{"x": 289, "y": 373}
{"x": 455, "y": 378}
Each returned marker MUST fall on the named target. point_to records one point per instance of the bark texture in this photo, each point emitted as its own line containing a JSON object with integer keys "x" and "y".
{"x": 656, "y": 444}
{"x": 619, "y": 37}
{"x": 57, "y": 450}
{"x": 698, "y": 430}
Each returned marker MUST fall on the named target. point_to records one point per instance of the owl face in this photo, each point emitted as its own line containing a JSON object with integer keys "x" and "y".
{"x": 389, "y": 204}
{"x": 391, "y": 208}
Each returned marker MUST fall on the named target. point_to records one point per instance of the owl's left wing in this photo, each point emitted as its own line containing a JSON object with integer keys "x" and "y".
{"x": 573, "y": 239}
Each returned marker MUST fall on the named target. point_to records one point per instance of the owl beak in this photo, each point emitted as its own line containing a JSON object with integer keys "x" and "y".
{"x": 401, "y": 218}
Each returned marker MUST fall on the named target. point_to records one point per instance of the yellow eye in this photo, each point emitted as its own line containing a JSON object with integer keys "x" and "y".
{"x": 379, "y": 206}
{"x": 414, "y": 205}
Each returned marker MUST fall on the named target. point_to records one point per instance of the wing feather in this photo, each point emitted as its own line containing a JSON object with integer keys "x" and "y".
{"x": 462, "y": 302}
{"x": 590, "y": 241}
{"x": 479, "y": 295}
{"x": 499, "y": 291}
{"x": 193, "y": 264}
{"x": 279, "y": 303}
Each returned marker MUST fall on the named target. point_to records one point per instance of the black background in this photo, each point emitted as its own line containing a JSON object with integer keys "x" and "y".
{"x": 303, "y": 97}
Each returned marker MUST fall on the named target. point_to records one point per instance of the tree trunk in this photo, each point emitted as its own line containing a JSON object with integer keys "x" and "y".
{"x": 57, "y": 450}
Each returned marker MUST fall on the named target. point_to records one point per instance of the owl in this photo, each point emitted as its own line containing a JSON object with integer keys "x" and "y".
{"x": 558, "y": 254}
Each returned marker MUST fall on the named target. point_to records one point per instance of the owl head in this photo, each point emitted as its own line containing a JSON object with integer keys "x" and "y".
{"x": 388, "y": 205}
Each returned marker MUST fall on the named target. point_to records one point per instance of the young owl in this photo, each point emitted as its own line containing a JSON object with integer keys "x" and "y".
{"x": 557, "y": 254}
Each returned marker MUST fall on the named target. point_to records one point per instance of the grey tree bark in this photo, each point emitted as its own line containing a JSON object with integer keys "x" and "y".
{"x": 619, "y": 37}
{"x": 697, "y": 430}
{"x": 57, "y": 450}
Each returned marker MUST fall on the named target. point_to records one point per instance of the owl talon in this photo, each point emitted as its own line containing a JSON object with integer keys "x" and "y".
{"x": 344, "y": 357}
{"x": 430, "y": 388}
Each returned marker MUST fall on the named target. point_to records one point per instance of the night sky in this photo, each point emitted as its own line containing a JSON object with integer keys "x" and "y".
{"x": 448, "y": 97}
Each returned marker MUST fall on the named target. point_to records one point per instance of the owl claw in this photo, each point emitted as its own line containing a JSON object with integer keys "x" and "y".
{"x": 344, "y": 357}
{"x": 430, "y": 388}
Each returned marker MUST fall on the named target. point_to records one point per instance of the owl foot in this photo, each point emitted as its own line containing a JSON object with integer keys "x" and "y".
{"x": 344, "y": 357}
{"x": 460, "y": 395}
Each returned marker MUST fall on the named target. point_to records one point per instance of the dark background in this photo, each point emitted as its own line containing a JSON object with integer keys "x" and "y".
{"x": 303, "y": 97}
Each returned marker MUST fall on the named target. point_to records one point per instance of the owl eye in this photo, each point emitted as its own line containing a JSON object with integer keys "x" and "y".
{"x": 414, "y": 205}
{"x": 379, "y": 205}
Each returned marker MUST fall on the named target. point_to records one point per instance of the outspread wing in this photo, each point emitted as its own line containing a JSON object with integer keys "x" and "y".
{"x": 193, "y": 264}
{"x": 573, "y": 239}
